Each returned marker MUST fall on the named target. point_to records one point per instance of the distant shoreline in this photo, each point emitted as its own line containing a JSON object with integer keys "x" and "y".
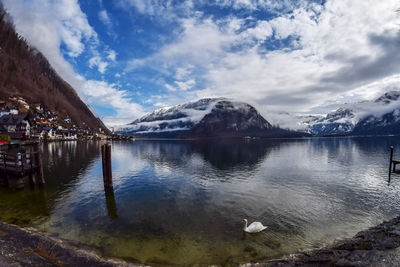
{"x": 138, "y": 138}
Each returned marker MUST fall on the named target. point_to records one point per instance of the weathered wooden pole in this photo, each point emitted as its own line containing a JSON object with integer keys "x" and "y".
{"x": 39, "y": 166}
{"x": 4, "y": 182}
{"x": 108, "y": 165}
{"x": 111, "y": 204}
{"x": 20, "y": 183}
{"x": 31, "y": 177}
{"x": 391, "y": 161}
{"x": 103, "y": 159}
{"x": 107, "y": 168}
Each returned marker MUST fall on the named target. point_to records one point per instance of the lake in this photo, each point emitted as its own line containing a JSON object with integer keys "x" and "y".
{"x": 182, "y": 202}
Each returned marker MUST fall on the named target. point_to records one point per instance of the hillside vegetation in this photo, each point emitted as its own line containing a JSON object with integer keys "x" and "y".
{"x": 25, "y": 72}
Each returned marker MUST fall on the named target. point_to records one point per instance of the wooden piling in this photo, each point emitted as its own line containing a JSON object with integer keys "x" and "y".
{"x": 107, "y": 168}
{"x": 32, "y": 180}
{"x": 4, "y": 181}
{"x": 38, "y": 161}
{"x": 111, "y": 204}
{"x": 14, "y": 169}
{"x": 103, "y": 163}
{"x": 20, "y": 183}
{"x": 391, "y": 161}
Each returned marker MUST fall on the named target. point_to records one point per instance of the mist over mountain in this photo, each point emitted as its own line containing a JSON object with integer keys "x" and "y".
{"x": 377, "y": 117}
{"x": 210, "y": 117}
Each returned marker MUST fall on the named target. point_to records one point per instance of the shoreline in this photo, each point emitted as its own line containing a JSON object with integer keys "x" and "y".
{"x": 29, "y": 247}
{"x": 375, "y": 246}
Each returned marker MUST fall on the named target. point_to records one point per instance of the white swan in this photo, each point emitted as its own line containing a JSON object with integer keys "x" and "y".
{"x": 254, "y": 227}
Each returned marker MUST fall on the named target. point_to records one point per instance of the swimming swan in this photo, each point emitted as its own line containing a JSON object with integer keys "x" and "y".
{"x": 254, "y": 227}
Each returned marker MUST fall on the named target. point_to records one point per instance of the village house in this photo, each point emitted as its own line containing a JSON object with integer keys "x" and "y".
{"x": 47, "y": 133}
{"x": 13, "y": 111}
{"x": 15, "y": 126}
{"x": 69, "y": 135}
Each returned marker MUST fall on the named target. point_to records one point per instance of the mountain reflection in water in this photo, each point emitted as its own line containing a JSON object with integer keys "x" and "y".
{"x": 182, "y": 202}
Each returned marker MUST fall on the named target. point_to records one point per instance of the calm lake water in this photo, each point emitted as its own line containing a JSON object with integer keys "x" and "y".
{"x": 181, "y": 202}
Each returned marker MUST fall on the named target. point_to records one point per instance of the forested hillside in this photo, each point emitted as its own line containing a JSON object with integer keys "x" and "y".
{"x": 25, "y": 72}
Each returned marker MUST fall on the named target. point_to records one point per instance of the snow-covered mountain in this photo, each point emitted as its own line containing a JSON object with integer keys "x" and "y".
{"x": 381, "y": 116}
{"x": 179, "y": 118}
{"x": 210, "y": 117}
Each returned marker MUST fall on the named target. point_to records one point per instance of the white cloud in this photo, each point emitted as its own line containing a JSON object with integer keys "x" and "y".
{"x": 46, "y": 27}
{"x": 295, "y": 62}
{"x": 102, "y": 63}
{"x": 112, "y": 55}
{"x": 158, "y": 8}
{"x": 106, "y": 20}
{"x": 103, "y": 16}
{"x": 271, "y": 5}
{"x": 185, "y": 85}
{"x": 183, "y": 73}
{"x": 103, "y": 93}
{"x": 97, "y": 62}
{"x": 169, "y": 87}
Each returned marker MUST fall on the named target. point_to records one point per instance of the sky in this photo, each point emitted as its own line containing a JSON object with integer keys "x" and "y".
{"x": 126, "y": 58}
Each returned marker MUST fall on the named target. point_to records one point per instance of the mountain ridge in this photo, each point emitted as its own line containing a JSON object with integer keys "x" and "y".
{"x": 380, "y": 116}
{"x": 205, "y": 118}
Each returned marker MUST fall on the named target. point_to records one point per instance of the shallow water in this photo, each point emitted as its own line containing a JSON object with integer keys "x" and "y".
{"x": 181, "y": 202}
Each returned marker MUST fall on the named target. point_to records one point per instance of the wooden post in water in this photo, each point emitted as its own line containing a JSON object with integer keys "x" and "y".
{"x": 3, "y": 178}
{"x": 103, "y": 162}
{"x": 38, "y": 162}
{"x": 19, "y": 168}
{"x": 31, "y": 177}
{"x": 391, "y": 161}
{"x": 111, "y": 204}
{"x": 107, "y": 168}
{"x": 6, "y": 182}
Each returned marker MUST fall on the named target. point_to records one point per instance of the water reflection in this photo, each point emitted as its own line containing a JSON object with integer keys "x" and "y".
{"x": 230, "y": 154}
{"x": 183, "y": 202}
{"x": 63, "y": 164}
{"x": 111, "y": 204}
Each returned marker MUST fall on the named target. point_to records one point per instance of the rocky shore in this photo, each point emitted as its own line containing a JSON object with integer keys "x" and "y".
{"x": 377, "y": 246}
{"x": 27, "y": 247}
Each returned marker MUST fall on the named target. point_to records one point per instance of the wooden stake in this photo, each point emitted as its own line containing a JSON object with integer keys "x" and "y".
{"x": 103, "y": 163}
{"x": 107, "y": 168}
{"x": 20, "y": 183}
{"x": 111, "y": 204}
{"x": 391, "y": 161}
{"x": 38, "y": 161}
{"x": 5, "y": 182}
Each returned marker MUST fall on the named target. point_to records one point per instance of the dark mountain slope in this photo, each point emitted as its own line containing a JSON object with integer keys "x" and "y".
{"x": 25, "y": 72}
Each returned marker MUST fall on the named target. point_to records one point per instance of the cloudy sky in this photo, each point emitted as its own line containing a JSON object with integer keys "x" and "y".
{"x": 128, "y": 57}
